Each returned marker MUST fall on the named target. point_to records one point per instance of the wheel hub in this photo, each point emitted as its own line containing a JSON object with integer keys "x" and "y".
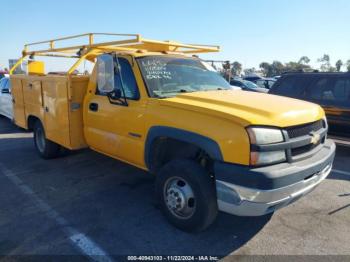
{"x": 179, "y": 197}
{"x": 175, "y": 199}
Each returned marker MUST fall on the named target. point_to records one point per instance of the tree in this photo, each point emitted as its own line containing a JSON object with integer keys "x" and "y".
{"x": 348, "y": 65}
{"x": 304, "y": 60}
{"x": 236, "y": 68}
{"x": 295, "y": 66}
{"x": 339, "y": 65}
{"x": 266, "y": 68}
{"x": 277, "y": 68}
{"x": 326, "y": 64}
{"x": 249, "y": 71}
{"x": 324, "y": 59}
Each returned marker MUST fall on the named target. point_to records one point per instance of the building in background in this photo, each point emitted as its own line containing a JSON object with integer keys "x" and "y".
{"x": 22, "y": 69}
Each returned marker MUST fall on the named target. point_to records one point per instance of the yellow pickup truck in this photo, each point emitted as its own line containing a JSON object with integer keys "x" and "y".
{"x": 157, "y": 106}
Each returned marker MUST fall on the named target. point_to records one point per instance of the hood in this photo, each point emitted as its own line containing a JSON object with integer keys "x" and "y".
{"x": 248, "y": 108}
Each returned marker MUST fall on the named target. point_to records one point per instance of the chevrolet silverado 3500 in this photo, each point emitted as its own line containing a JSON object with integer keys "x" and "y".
{"x": 157, "y": 106}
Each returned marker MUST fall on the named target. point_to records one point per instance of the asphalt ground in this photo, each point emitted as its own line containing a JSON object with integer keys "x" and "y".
{"x": 88, "y": 206}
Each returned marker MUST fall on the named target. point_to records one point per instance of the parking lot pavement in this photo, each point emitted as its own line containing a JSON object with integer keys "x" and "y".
{"x": 86, "y": 203}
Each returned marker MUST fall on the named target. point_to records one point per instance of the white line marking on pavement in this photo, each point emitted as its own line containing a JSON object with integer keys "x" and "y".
{"x": 87, "y": 245}
{"x": 82, "y": 242}
{"x": 341, "y": 172}
{"x": 16, "y": 135}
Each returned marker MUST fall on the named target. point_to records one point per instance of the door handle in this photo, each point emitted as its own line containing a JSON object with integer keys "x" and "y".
{"x": 93, "y": 107}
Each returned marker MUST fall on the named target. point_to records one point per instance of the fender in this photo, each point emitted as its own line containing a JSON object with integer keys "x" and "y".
{"x": 207, "y": 144}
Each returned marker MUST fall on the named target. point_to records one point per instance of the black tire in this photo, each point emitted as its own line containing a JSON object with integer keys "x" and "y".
{"x": 202, "y": 209}
{"x": 45, "y": 148}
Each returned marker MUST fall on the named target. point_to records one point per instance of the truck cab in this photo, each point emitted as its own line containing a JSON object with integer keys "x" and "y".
{"x": 154, "y": 105}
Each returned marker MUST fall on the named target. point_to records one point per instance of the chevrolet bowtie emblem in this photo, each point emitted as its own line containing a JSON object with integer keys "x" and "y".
{"x": 315, "y": 138}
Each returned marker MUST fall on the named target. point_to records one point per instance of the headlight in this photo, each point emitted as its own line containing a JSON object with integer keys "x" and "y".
{"x": 265, "y": 158}
{"x": 265, "y": 136}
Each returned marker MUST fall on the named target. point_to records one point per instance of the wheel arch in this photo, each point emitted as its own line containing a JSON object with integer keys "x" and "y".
{"x": 157, "y": 133}
{"x": 31, "y": 119}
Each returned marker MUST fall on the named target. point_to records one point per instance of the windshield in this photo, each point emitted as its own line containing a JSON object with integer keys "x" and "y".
{"x": 167, "y": 76}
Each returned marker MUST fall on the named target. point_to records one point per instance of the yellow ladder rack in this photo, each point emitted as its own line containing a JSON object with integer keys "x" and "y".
{"x": 89, "y": 49}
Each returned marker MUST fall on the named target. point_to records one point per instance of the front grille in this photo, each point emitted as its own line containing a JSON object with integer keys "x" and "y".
{"x": 304, "y": 130}
{"x": 304, "y": 149}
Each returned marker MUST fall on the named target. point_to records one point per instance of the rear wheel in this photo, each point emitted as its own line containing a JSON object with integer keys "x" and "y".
{"x": 46, "y": 148}
{"x": 187, "y": 195}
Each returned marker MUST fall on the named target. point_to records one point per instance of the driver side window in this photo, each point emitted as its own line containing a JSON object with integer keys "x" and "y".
{"x": 124, "y": 78}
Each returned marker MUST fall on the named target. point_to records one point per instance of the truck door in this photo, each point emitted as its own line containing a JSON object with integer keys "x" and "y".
{"x": 116, "y": 129}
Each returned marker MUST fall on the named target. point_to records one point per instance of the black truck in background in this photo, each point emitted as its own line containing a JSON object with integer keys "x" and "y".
{"x": 330, "y": 90}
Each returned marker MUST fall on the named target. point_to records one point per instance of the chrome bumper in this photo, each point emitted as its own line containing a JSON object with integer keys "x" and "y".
{"x": 243, "y": 201}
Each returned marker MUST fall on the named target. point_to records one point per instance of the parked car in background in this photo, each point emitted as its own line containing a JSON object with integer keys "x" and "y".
{"x": 330, "y": 90}
{"x": 6, "y": 98}
{"x": 236, "y": 88}
{"x": 265, "y": 82}
{"x": 2, "y": 74}
{"x": 247, "y": 85}
{"x": 253, "y": 78}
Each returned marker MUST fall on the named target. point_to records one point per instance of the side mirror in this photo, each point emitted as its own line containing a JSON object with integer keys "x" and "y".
{"x": 105, "y": 73}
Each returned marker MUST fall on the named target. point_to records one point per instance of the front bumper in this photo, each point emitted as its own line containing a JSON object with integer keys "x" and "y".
{"x": 270, "y": 188}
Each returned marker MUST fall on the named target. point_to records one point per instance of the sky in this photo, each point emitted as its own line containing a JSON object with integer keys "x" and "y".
{"x": 248, "y": 31}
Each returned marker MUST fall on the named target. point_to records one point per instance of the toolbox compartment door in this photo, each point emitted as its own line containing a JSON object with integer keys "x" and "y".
{"x": 18, "y": 102}
{"x": 77, "y": 90}
{"x": 32, "y": 97}
{"x": 55, "y": 104}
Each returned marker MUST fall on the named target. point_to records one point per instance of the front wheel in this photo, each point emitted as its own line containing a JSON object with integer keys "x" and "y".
{"x": 187, "y": 195}
{"x": 45, "y": 148}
